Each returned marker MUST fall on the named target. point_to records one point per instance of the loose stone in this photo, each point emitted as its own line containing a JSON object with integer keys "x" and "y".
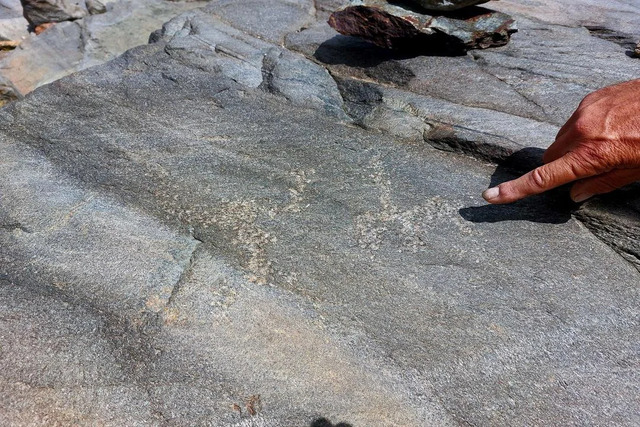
{"x": 397, "y": 27}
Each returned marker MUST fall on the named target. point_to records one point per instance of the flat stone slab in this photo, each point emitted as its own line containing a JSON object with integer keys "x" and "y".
{"x": 398, "y": 27}
{"x": 215, "y": 230}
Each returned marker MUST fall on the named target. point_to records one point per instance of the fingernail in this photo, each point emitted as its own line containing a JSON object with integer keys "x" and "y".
{"x": 491, "y": 193}
{"x": 581, "y": 197}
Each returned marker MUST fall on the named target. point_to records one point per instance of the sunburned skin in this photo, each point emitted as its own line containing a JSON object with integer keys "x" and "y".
{"x": 598, "y": 148}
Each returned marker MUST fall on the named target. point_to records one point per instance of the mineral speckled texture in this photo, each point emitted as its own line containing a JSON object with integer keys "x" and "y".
{"x": 397, "y": 27}
{"x": 255, "y": 221}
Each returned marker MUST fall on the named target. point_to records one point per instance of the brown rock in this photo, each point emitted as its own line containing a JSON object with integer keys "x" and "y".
{"x": 396, "y": 27}
{"x": 42, "y": 27}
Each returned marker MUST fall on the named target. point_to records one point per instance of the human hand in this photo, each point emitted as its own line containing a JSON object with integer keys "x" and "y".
{"x": 599, "y": 147}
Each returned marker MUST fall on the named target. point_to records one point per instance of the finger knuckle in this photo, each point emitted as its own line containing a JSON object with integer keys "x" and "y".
{"x": 582, "y": 126}
{"x": 589, "y": 99}
{"x": 539, "y": 178}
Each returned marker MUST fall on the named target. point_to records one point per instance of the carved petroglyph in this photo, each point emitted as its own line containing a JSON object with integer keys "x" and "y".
{"x": 412, "y": 226}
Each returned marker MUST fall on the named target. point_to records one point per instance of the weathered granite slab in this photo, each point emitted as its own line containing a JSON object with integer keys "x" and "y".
{"x": 343, "y": 272}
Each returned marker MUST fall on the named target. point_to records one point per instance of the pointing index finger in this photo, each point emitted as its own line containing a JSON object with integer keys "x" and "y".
{"x": 554, "y": 174}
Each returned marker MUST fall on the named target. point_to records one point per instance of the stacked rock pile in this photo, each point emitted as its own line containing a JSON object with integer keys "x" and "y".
{"x": 425, "y": 26}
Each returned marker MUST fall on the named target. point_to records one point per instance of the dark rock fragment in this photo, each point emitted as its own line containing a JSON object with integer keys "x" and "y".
{"x": 396, "y": 27}
{"x": 38, "y": 12}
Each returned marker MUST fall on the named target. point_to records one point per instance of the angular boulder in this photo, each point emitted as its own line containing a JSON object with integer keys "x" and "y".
{"x": 398, "y": 27}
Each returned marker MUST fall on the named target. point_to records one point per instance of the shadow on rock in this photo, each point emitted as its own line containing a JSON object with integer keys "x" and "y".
{"x": 552, "y": 207}
{"x": 378, "y": 62}
{"x": 323, "y": 422}
{"x": 355, "y": 51}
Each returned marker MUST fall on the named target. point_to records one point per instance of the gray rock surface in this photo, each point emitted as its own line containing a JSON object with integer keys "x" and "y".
{"x": 13, "y": 26}
{"x": 71, "y": 46}
{"x": 398, "y": 26}
{"x": 616, "y": 15}
{"x": 236, "y": 226}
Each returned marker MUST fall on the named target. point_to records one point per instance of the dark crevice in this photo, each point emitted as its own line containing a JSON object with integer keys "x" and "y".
{"x": 625, "y": 40}
{"x": 359, "y": 98}
{"x": 614, "y": 218}
{"x": 186, "y": 273}
{"x": 479, "y": 150}
{"x": 269, "y": 64}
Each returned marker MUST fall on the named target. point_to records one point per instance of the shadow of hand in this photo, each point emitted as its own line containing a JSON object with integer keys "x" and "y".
{"x": 553, "y": 207}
